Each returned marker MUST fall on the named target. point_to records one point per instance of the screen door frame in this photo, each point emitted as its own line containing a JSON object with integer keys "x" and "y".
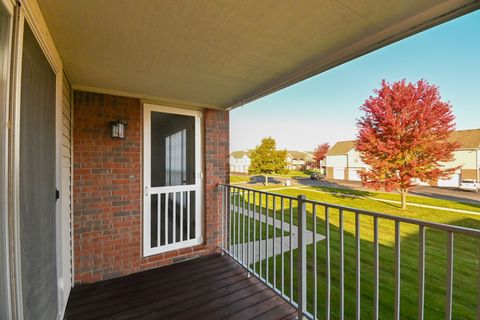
{"x": 148, "y": 190}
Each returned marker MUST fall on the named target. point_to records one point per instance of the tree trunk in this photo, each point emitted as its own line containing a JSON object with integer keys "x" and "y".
{"x": 266, "y": 180}
{"x": 404, "y": 192}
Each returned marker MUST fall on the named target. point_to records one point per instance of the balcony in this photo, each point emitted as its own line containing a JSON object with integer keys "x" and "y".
{"x": 211, "y": 287}
{"x": 335, "y": 262}
{"x": 307, "y": 265}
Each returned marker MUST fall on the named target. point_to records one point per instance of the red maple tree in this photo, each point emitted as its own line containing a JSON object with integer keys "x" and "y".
{"x": 320, "y": 153}
{"x": 404, "y": 135}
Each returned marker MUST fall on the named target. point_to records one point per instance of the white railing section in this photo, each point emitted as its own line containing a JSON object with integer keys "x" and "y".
{"x": 267, "y": 234}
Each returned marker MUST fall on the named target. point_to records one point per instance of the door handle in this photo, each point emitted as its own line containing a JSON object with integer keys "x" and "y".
{"x": 146, "y": 191}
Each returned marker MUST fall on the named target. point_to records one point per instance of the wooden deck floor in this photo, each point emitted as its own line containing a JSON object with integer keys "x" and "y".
{"x": 213, "y": 287}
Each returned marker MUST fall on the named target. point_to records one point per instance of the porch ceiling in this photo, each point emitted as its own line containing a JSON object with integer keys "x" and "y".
{"x": 225, "y": 53}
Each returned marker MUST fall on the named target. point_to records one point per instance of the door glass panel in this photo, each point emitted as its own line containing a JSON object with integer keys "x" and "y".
{"x": 37, "y": 183}
{"x": 172, "y": 149}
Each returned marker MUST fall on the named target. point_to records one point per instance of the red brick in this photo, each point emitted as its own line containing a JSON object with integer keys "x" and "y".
{"x": 107, "y": 201}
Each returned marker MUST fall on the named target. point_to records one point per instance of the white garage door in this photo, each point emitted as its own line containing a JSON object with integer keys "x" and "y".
{"x": 339, "y": 173}
{"x": 454, "y": 181}
{"x": 353, "y": 174}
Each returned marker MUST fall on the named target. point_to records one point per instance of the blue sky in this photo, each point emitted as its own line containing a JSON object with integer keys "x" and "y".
{"x": 324, "y": 108}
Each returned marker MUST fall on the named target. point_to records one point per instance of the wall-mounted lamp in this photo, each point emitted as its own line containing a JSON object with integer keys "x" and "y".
{"x": 118, "y": 129}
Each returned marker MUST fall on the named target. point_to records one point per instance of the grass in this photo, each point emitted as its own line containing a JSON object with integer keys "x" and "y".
{"x": 239, "y": 178}
{"x": 242, "y": 229}
{"x": 466, "y": 261}
{"x": 336, "y": 193}
{"x": 296, "y": 174}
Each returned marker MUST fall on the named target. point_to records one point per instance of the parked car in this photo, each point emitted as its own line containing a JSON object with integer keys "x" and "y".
{"x": 470, "y": 185}
{"x": 317, "y": 176}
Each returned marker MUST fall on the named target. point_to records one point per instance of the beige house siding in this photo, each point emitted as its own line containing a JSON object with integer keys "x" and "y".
{"x": 354, "y": 160}
{"x": 467, "y": 159}
{"x": 66, "y": 162}
{"x": 469, "y": 174}
{"x": 330, "y": 172}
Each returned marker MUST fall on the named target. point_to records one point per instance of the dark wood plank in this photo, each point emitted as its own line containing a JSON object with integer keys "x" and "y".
{"x": 131, "y": 304}
{"x": 257, "y": 309}
{"x": 212, "y": 287}
{"x": 226, "y": 311}
{"x": 276, "y": 313}
{"x": 144, "y": 288}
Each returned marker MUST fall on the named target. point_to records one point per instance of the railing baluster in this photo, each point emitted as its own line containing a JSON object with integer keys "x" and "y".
{"x": 327, "y": 262}
{"x": 188, "y": 213}
{"x": 291, "y": 251}
{"x": 248, "y": 230}
{"x": 238, "y": 226}
{"x": 243, "y": 227}
{"x": 260, "y": 214}
{"x": 181, "y": 216}
{"x": 376, "y": 270}
{"x": 357, "y": 266}
{"x": 342, "y": 268}
{"x": 302, "y": 257}
{"x": 234, "y": 227}
{"x": 159, "y": 219}
{"x": 282, "y": 250}
{"x": 222, "y": 219}
{"x": 421, "y": 272}
{"x": 274, "y": 199}
{"x": 314, "y": 233}
{"x": 230, "y": 221}
{"x": 254, "y": 230}
{"x": 166, "y": 217}
{"x": 174, "y": 229}
{"x": 449, "y": 284}
{"x": 397, "y": 270}
{"x": 266, "y": 238}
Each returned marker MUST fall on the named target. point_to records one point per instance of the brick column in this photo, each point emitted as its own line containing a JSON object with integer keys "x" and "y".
{"x": 217, "y": 170}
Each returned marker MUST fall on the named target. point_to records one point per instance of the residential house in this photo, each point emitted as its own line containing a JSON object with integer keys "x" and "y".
{"x": 467, "y": 157}
{"x": 345, "y": 163}
{"x": 85, "y": 199}
{"x": 298, "y": 160}
{"x": 240, "y": 161}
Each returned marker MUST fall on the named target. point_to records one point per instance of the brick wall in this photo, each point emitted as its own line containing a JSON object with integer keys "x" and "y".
{"x": 107, "y": 191}
{"x": 217, "y": 169}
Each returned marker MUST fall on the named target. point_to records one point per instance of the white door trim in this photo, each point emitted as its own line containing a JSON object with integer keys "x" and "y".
{"x": 148, "y": 189}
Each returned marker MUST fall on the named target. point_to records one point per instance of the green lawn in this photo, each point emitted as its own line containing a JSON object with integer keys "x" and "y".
{"x": 239, "y": 178}
{"x": 245, "y": 233}
{"x": 396, "y": 197}
{"x": 236, "y": 178}
{"x": 466, "y": 263}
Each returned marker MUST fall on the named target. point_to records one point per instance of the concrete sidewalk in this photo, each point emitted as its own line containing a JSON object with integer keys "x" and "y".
{"x": 261, "y": 249}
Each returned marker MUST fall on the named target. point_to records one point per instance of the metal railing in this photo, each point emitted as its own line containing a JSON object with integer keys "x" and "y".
{"x": 268, "y": 234}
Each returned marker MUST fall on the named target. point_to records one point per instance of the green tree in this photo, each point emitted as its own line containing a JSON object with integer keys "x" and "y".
{"x": 266, "y": 159}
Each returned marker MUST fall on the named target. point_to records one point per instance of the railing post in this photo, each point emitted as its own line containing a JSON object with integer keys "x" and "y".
{"x": 302, "y": 257}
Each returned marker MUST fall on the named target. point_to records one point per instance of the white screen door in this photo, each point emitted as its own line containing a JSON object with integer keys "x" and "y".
{"x": 172, "y": 179}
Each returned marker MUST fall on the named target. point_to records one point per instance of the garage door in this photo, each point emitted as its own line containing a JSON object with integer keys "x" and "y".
{"x": 339, "y": 173}
{"x": 454, "y": 181}
{"x": 353, "y": 174}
